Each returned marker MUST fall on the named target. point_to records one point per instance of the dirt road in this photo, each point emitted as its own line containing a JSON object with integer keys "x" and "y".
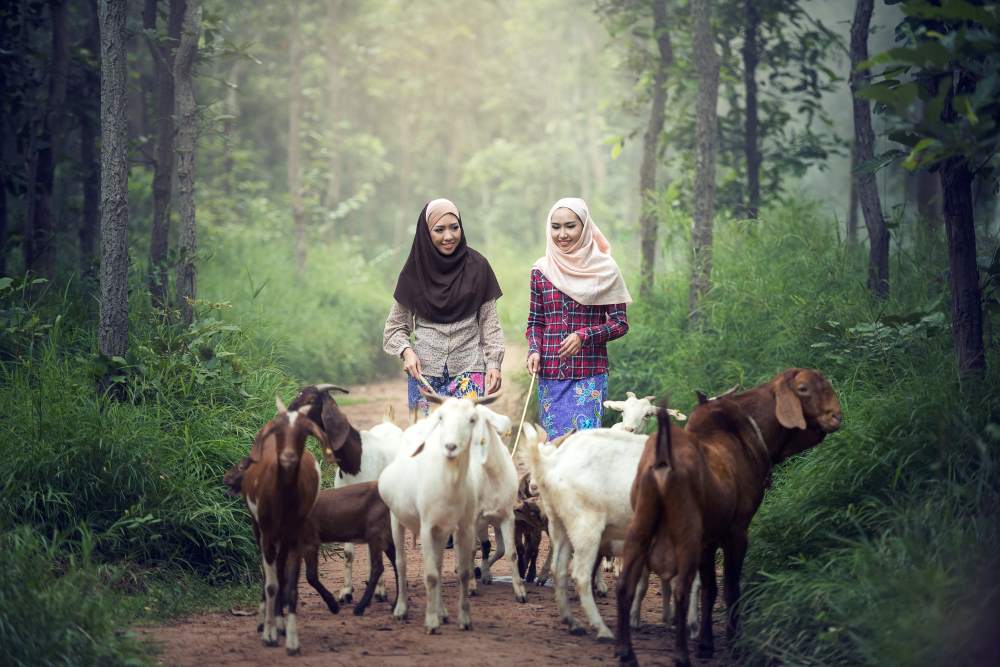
{"x": 503, "y": 631}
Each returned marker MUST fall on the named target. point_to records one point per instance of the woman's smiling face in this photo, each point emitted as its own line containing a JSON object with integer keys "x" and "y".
{"x": 446, "y": 233}
{"x": 565, "y": 228}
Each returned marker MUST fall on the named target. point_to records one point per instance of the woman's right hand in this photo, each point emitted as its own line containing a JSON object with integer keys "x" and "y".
{"x": 411, "y": 363}
{"x": 534, "y": 362}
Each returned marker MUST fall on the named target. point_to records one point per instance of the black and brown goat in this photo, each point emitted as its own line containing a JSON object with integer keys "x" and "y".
{"x": 696, "y": 490}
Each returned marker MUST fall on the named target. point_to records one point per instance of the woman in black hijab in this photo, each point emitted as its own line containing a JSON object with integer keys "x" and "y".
{"x": 444, "y": 323}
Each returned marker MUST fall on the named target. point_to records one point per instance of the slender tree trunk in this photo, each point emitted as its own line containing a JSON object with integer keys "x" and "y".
{"x": 852, "y": 212}
{"x": 229, "y": 126}
{"x": 113, "y": 328}
{"x": 41, "y": 243}
{"x": 864, "y": 150}
{"x": 707, "y": 68}
{"x": 332, "y": 194}
{"x": 647, "y": 170}
{"x": 294, "y": 123}
{"x": 186, "y": 114}
{"x": 88, "y": 113}
{"x": 752, "y": 140}
{"x": 163, "y": 162}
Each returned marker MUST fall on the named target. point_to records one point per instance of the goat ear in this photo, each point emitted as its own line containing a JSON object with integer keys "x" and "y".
{"x": 651, "y": 399}
{"x": 335, "y": 424}
{"x": 630, "y": 394}
{"x": 257, "y": 450}
{"x": 316, "y": 432}
{"x": 701, "y": 396}
{"x": 788, "y": 407}
{"x": 614, "y": 405}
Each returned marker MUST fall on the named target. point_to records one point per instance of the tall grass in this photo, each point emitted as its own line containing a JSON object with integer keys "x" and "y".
{"x": 873, "y": 547}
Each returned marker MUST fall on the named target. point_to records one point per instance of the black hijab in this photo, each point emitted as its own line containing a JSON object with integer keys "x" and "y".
{"x": 444, "y": 288}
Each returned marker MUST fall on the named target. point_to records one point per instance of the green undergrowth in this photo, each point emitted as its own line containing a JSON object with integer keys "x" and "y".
{"x": 113, "y": 509}
{"x": 879, "y": 546}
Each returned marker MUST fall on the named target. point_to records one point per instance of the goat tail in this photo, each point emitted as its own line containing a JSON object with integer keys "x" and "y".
{"x": 531, "y": 453}
{"x": 664, "y": 445}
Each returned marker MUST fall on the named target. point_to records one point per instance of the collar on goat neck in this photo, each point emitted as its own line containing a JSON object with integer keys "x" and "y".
{"x": 349, "y": 455}
{"x": 758, "y": 448}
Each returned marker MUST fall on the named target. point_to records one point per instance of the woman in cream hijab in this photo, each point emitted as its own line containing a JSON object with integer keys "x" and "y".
{"x": 578, "y": 299}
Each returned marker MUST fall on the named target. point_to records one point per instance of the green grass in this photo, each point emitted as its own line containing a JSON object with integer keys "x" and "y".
{"x": 879, "y": 546}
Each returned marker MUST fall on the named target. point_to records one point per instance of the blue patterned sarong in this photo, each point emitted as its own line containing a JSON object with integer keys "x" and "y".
{"x": 564, "y": 405}
{"x": 472, "y": 385}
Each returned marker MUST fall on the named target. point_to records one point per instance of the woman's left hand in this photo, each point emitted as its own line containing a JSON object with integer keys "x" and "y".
{"x": 571, "y": 345}
{"x": 493, "y": 381}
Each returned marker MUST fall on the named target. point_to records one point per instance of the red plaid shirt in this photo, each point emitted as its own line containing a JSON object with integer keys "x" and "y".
{"x": 553, "y": 316}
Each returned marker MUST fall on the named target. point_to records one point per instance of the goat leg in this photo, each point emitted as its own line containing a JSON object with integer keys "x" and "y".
{"x": 374, "y": 575}
{"x": 310, "y": 554}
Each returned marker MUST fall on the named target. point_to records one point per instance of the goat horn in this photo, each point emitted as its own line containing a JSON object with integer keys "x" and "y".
{"x": 431, "y": 398}
{"x": 278, "y": 403}
{"x": 728, "y": 392}
{"x": 331, "y": 387}
{"x": 486, "y": 400}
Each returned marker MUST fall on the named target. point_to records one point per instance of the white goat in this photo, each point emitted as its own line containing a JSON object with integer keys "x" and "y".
{"x": 429, "y": 491}
{"x": 635, "y": 412}
{"x": 585, "y": 488}
{"x": 496, "y": 484}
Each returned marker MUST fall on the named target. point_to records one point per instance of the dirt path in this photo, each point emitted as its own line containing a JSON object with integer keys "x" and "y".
{"x": 503, "y": 631}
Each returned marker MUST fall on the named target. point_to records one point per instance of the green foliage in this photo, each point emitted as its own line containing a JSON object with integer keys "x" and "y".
{"x": 56, "y": 607}
{"x": 143, "y": 473}
{"x": 886, "y": 532}
{"x": 940, "y": 89}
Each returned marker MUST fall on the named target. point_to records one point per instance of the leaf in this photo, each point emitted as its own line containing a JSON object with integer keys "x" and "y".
{"x": 876, "y": 163}
{"x": 6, "y": 282}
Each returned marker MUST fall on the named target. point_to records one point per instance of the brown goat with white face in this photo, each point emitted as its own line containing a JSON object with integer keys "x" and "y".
{"x": 696, "y": 491}
{"x": 280, "y": 486}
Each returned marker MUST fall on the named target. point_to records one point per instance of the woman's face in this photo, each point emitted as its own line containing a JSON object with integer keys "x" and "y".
{"x": 446, "y": 233}
{"x": 565, "y": 228}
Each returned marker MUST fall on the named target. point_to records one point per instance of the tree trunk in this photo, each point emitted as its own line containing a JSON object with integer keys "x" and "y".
{"x": 852, "y": 203}
{"x": 864, "y": 150}
{"x": 113, "y": 328}
{"x": 707, "y": 68}
{"x": 751, "y": 139}
{"x": 332, "y": 194}
{"x": 294, "y": 122}
{"x": 41, "y": 241}
{"x": 186, "y": 114}
{"x": 163, "y": 161}
{"x": 647, "y": 170}
{"x": 229, "y": 125}
{"x": 88, "y": 113}
{"x": 963, "y": 274}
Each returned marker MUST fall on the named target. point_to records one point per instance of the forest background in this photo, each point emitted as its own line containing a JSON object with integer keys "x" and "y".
{"x": 206, "y": 203}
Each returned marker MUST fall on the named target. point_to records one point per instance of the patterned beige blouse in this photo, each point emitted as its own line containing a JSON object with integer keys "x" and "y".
{"x": 470, "y": 345}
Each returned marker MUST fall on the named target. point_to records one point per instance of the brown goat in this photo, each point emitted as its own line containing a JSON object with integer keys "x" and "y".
{"x": 696, "y": 491}
{"x": 528, "y": 527}
{"x": 280, "y": 486}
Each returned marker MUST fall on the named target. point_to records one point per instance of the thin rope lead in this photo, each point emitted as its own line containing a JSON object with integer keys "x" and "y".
{"x": 520, "y": 427}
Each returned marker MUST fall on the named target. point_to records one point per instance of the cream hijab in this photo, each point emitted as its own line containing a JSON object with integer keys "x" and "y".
{"x": 586, "y": 272}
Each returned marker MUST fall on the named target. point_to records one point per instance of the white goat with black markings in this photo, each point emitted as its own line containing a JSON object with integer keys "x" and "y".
{"x": 585, "y": 490}
{"x": 430, "y": 491}
{"x": 496, "y": 483}
{"x": 635, "y": 412}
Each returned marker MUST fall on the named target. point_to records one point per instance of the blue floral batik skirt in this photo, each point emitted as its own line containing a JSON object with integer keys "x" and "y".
{"x": 472, "y": 385}
{"x": 564, "y": 405}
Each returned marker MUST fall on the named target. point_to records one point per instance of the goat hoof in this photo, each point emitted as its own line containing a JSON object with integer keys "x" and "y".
{"x": 434, "y": 631}
{"x": 381, "y": 597}
{"x": 359, "y": 610}
{"x": 577, "y": 629}
{"x": 347, "y": 597}
{"x": 465, "y": 626}
{"x": 260, "y": 627}
{"x": 293, "y": 651}
{"x": 627, "y": 658}
{"x": 604, "y": 635}
{"x": 478, "y": 572}
{"x": 521, "y": 598}
{"x": 269, "y": 642}
{"x": 487, "y": 579}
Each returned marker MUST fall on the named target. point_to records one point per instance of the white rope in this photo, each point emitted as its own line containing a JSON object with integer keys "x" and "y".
{"x": 524, "y": 412}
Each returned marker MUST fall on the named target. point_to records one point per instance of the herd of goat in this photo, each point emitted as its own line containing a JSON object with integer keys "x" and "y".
{"x": 663, "y": 503}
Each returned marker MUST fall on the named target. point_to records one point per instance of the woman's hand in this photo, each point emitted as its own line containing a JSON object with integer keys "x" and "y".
{"x": 493, "y": 381}
{"x": 571, "y": 345}
{"x": 534, "y": 362}
{"x": 411, "y": 363}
